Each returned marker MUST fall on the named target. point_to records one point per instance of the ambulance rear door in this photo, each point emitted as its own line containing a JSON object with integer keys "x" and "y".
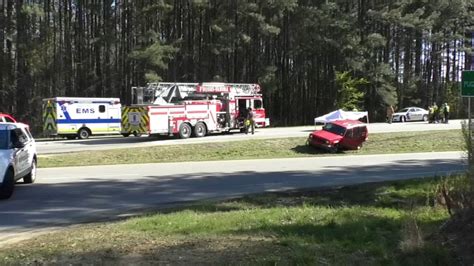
{"x": 115, "y": 112}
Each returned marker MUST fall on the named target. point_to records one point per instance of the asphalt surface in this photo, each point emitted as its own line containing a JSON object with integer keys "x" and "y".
{"x": 66, "y": 196}
{"x": 118, "y": 142}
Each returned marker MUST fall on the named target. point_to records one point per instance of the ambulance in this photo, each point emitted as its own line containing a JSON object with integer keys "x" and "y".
{"x": 81, "y": 117}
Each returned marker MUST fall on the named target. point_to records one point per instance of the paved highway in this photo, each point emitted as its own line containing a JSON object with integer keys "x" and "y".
{"x": 117, "y": 142}
{"x": 65, "y": 196}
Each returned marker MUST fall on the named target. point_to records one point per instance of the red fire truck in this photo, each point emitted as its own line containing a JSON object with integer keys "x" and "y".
{"x": 191, "y": 109}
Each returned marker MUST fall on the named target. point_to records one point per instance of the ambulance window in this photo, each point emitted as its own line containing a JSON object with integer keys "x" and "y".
{"x": 101, "y": 108}
{"x": 257, "y": 104}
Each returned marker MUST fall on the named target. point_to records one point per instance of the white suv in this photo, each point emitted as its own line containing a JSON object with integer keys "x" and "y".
{"x": 17, "y": 157}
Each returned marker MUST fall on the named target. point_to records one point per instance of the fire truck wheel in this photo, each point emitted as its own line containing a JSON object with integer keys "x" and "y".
{"x": 84, "y": 133}
{"x": 200, "y": 130}
{"x": 184, "y": 131}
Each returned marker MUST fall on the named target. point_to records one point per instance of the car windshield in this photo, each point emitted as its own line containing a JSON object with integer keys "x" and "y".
{"x": 335, "y": 129}
{"x": 4, "y": 139}
{"x": 404, "y": 110}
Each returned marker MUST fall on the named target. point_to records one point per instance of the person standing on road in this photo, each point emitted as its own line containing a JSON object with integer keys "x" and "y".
{"x": 390, "y": 112}
{"x": 430, "y": 114}
{"x": 446, "y": 112}
{"x": 436, "y": 113}
{"x": 250, "y": 122}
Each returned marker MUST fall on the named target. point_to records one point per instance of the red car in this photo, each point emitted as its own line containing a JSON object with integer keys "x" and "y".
{"x": 7, "y": 118}
{"x": 337, "y": 135}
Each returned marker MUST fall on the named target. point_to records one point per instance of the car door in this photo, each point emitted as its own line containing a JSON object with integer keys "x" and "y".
{"x": 348, "y": 141}
{"x": 31, "y": 148}
{"x": 420, "y": 113}
{"x": 411, "y": 114}
{"x": 21, "y": 155}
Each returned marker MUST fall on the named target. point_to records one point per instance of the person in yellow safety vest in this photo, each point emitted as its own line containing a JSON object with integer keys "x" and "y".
{"x": 446, "y": 112}
{"x": 430, "y": 114}
{"x": 435, "y": 113}
{"x": 249, "y": 121}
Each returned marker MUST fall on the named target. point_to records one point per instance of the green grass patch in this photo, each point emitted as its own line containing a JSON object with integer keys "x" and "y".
{"x": 401, "y": 142}
{"x": 377, "y": 224}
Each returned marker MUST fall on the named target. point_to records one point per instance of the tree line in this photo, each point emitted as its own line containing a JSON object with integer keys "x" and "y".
{"x": 310, "y": 56}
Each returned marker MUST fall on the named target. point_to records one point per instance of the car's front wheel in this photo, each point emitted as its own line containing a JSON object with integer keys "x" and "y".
{"x": 31, "y": 176}
{"x": 334, "y": 149}
{"x": 403, "y": 119}
{"x": 425, "y": 118}
{"x": 6, "y": 188}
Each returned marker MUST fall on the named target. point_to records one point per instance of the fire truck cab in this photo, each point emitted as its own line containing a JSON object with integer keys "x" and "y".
{"x": 192, "y": 109}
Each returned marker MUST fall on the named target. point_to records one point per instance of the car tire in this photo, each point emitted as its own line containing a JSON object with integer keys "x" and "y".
{"x": 425, "y": 118}
{"x": 126, "y": 135}
{"x": 334, "y": 149}
{"x": 200, "y": 130}
{"x": 403, "y": 119}
{"x": 8, "y": 185}
{"x": 185, "y": 131}
{"x": 31, "y": 176}
{"x": 84, "y": 133}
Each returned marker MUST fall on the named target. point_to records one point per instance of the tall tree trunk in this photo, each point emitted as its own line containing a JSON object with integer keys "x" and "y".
{"x": 23, "y": 87}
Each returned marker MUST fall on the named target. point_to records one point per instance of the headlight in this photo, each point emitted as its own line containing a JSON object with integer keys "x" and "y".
{"x": 336, "y": 141}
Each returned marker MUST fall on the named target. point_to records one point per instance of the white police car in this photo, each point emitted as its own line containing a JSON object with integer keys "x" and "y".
{"x": 410, "y": 114}
{"x": 17, "y": 157}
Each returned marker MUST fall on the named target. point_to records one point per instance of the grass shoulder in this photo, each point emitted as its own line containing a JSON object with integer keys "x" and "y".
{"x": 401, "y": 142}
{"x": 384, "y": 223}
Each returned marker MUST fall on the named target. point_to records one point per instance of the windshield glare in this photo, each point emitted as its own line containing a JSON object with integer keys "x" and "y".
{"x": 404, "y": 110}
{"x": 335, "y": 129}
{"x": 4, "y": 139}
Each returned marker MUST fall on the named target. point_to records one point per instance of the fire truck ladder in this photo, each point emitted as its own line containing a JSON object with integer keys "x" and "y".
{"x": 244, "y": 88}
{"x": 165, "y": 92}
